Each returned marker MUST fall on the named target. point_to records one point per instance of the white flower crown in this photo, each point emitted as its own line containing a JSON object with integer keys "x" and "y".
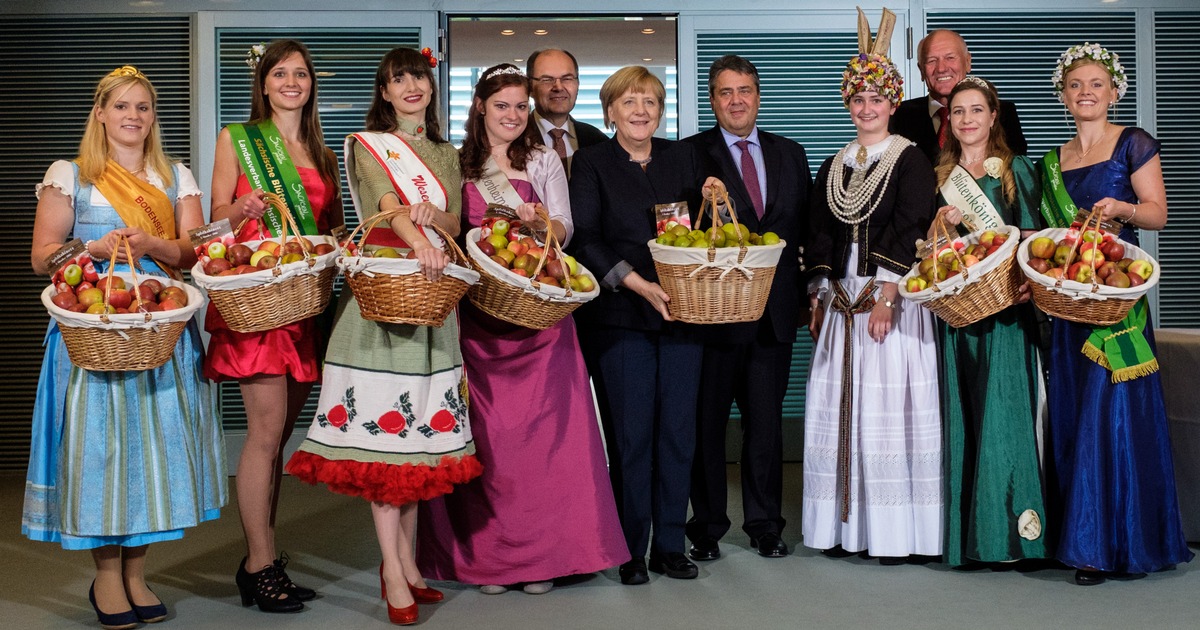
{"x": 1095, "y": 52}
{"x": 254, "y": 55}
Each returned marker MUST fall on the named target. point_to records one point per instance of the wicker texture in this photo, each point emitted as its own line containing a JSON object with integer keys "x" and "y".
{"x": 131, "y": 349}
{"x": 409, "y": 298}
{"x": 996, "y": 289}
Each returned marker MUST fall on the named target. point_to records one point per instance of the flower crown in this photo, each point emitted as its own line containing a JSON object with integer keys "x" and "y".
{"x": 127, "y": 71}
{"x": 254, "y": 55}
{"x": 506, "y": 69}
{"x": 427, "y": 53}
{"x": 871, "y": 72}
{"x": 1095, "y": 52}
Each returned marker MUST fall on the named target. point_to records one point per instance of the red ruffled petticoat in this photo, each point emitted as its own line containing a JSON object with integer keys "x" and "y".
{"x": 385, "y": 483}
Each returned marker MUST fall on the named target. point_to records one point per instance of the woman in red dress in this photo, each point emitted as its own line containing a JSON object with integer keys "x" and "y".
{"x": 276, "y": 368}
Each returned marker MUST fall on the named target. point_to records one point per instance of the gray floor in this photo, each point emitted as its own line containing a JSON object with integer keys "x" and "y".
{"x": 332, "y": 548}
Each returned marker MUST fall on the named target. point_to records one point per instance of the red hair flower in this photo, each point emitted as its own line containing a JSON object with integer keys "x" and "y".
{"x": 428, "y": 54}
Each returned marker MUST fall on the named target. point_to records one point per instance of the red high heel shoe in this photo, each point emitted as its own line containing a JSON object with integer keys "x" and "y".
{"x": 420, "y": 595}
{"x": 406, "y": 616}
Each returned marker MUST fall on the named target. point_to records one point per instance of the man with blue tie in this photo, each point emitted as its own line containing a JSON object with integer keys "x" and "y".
{"x": 768, "y": 179}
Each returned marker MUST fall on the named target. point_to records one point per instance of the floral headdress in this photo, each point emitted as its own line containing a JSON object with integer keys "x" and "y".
{"x": 427, "y": 53}
{"x": 254, "y": 55}
{"x": 871, "y": 70}
{"x": 1099, "y": 54}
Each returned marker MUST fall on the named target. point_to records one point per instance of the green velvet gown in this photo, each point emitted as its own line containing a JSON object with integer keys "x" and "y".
{"x": 988, "y": 374}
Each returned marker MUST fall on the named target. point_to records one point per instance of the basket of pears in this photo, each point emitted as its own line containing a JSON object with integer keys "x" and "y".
{"x": 968, "y": 278}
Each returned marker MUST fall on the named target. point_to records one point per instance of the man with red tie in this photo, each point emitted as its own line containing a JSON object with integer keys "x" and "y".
{"x": 768, "y": 179}
{"x": 555, "y": 76}
{"x": 944, "y": 61}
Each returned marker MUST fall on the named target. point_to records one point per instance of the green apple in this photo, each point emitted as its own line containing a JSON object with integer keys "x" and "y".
{"x": 73, "y": 274}
{"x": 770, "y": 238}
{"x": 216, "y": 250}
{"x": 500, "y": 227}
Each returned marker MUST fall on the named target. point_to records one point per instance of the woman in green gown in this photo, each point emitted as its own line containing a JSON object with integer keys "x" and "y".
{"x": 995, "y": 510}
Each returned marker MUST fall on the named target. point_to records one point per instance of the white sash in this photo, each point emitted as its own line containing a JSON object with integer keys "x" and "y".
{"x": 962, "y": 192}
{"x": 494, "y": 186}
{"x": 411, "y": 178}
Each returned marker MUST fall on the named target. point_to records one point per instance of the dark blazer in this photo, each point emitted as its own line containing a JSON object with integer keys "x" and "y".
{"x": 888, "y": 238}
{"x": 612, "y": 203}
{"x": 587, "y": 135}
{"x": 789, "y": 180}
{"x": 912, "y": 120}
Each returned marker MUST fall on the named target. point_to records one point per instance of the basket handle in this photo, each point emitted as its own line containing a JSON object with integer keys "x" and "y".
{"x": 457, "y": 256}
{"x": 940, "y": 226}
{"x": 122, "y": 241}
{"x": 551, "y": 242}
{"x": 714, "y": 198}
{"x": 1094, "y": 214}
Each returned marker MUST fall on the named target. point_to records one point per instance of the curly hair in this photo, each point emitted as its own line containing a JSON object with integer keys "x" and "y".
{"x": 475, "y": 148}
{"x": 997, "y": 145}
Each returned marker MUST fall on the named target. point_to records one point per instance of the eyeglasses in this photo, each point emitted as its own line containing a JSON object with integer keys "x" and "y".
{"x": 566, "y": 79}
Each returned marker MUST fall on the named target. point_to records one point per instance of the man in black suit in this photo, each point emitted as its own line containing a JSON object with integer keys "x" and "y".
{"x": 944, "y": 61}
{"x": 555, "y": 76}
{"x": 768, "y": 179}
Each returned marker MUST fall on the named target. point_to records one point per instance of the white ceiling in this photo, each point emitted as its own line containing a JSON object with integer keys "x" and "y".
{"x": 477, "y": 42}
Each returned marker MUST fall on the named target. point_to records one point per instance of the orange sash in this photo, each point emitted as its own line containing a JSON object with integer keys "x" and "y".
{"x": 139, "y": 204}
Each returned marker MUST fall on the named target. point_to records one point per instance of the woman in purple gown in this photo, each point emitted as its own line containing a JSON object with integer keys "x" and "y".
{"x": 543, "y": 507}
{"x": 1110, "y": 475}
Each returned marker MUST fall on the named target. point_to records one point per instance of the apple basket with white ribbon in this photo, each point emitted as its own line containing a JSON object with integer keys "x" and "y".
{"x": 977, "y": 291}
{"x": 394, "y": 290}
{"x": 122, "y": 342}
{"x": 255, "y": 300}
{"x": 1085, "y": 302}
{"x": 717, "y": 285}
{"x": 521, "y": 300}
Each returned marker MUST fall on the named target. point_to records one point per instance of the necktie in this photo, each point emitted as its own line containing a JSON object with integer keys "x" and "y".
{"x": 944, "y": 129}
{"x": 750, "y": 177}
{"x": 559, "y": 146}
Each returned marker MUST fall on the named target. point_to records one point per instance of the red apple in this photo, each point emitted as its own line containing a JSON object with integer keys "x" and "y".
{"x": 1118, "y": 279}
{"x": 216, "y": 266}
{"x": 117, "y": 282}
{"x": 321, "y": 249}
{"x": 91, "y": 296}
{"x": 1113, "y": 250}
{"x": 175, "y": 294}
{"x": 1142, "y": 268}
{"x": 239, "y": 254}
{"x": 1041, "y": 247}
{"x": 486, "y": 247}
{"x": 1105, "y": 270}
{"x": 1039, "y": 265}
{"x": 119, "y": 298}
{"x": 64, "y": 300}
{"x": 271, "y": 247}
{"x": 1135, "y": 280}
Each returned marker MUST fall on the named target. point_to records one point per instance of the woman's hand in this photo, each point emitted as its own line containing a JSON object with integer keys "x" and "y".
{"x": 883, "y": 317}
{"x": 423, "y": 213}
{"x": 1113, "y": 209}
{"x": 103, "y": 247}
{"x": 816, "y": 317}
{"x": 140, "y": 242}
{"x": 1023, "y": 293}
{"x": 949, "y": 216}
{"x": 250, "y": 205}
{"x": 433, "y": 260}
{"x": 651, "y": 292}
{"x": 528, "y": 214}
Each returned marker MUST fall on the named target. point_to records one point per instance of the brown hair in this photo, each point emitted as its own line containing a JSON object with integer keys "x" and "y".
{"x": 475, "y": 148}
{"x": 310, "y": 122}
{"x": 399, "y": 62}
{"x": 635, "y": 79}
{"x": 997, "y": 145}
{"x": 93, "y": 147}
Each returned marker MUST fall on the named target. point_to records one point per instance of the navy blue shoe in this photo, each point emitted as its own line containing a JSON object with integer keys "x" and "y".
{"x": 150, "y": 614}
{"x": 120, "y": 621}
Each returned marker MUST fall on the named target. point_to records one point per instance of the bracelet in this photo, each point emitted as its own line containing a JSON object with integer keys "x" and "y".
{"x": 1129, "y": 219}
{"x": 87, "y": 246}
{"x": 888, "y": 303}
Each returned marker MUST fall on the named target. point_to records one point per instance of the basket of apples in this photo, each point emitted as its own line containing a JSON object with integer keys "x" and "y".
{"x": 1085, "y": 273}
{"x": 521, "y": 280}
{"x": 120, "y": 322}
{"x": 391, "y": 288}
{"x": 266, "y": 283}
{"x": 969, "y": 278}
{"x": 717, "y": 276}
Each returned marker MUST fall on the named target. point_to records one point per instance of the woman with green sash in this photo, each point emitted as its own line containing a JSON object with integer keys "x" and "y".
{"x": 1110, "y": 476}
{"x": 120, "y": 460}
{"x": 988, "y": 370}
{"x": 280, "y": 150}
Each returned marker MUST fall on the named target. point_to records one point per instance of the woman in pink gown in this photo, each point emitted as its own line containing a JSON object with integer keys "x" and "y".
{"x": 544, "y": 506}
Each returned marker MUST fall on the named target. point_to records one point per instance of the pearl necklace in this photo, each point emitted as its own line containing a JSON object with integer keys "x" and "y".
{"x": 847, "y": 202}
{"x": 641, "y": 162}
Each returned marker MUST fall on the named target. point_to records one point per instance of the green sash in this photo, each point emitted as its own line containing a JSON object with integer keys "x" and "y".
{"x": 267, "y": 165}
{"x": 1057, "y": 207}
{"x": 1121, "y": 348}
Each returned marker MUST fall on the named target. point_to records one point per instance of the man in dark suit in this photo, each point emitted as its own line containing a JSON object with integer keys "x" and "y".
{"x": 555, "y": 76}
{"x": 768, "y": 179}
{"x": 944, "y": 61}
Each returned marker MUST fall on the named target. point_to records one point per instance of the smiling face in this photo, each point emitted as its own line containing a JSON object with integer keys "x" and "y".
{"x": 408, "y": 95}
{"x": 735, "y": 101}
{"x": 128, "y": 117}
{"x": 288, "y": 85}
{"x": 555, "y": 85}
{"x": 945, "y": 62}
{"x": 870, "y": 112}
{"x": 1088, "y": 92}
{"x": 971, "y": 118}
{"x": 635, "y": 115}
{"x": 505, "y": 115}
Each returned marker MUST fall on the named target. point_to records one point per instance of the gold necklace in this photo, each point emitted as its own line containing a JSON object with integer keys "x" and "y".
{"x": 1081, "y": 153}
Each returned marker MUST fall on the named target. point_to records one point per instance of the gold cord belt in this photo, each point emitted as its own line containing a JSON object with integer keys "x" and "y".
{"x": 841, "y": 303}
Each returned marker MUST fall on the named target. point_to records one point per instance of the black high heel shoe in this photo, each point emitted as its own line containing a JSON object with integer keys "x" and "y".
{"x": 266, "y": 588}
{"x": 153, "y": 613}
{"x": 119, "y": 621}
{"x": 301, "y": 593}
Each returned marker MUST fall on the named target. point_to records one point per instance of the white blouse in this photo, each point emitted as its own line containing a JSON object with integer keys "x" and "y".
{"x": 61, "y": 175}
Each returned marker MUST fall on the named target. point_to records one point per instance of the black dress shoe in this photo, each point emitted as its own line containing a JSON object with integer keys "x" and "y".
{"x": 705, "y": 549}
{"x": 837, "y": 552}
{"x": 673, "y": 565}
{"x": 893, "y": 561}
{"x": 769, "y": 545}
{"x": 634, "y": 572}
{"x": 1089, "y": 578}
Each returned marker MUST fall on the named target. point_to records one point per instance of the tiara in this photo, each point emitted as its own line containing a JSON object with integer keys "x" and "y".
{"x": 254, "y": 55}
{"x": 970, "y": 78}
{"x": 1099, "y": 54}
{"x": 427, "y": 53}
{"x": 507, "y": 69}
{"x": 127, "y": 71}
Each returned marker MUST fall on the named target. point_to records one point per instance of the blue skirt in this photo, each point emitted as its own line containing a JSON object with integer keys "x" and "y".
{"x": 1110, "y": 476}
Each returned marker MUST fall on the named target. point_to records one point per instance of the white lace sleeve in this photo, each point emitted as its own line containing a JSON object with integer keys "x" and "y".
{"x": 60, "y": 175}
{"x": 187, "y": 183}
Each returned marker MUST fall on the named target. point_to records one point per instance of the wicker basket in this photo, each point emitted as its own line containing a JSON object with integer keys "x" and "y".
{"x": 268, "y": 299}
{"x": 1090, "y": 303}
{"x": 716, "y": 285}
{"x": 394, "y": 290}
{"x": 519, "y": 300}
{"x": 123, "y": 342}
{"x": 978, "y": 292}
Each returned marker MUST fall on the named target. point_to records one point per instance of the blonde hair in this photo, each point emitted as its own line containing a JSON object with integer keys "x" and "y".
{"x": 997, "y": 145}
{"x": 636, "y": 79}
{"x": 93, "y": 148}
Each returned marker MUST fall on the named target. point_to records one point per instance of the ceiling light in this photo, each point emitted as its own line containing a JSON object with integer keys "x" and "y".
{"x": 647, "y": 31}
{"x": 518, "y": 60}
{"x": 508, "y": 31}
{"x": 541, "y": 31}
{"x": 647, "y": 58}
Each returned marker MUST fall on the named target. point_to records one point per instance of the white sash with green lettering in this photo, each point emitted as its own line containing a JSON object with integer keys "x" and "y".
{"x": 962, "y": 192}
{"x": 495, "y": 187}
{"x": 412, "y": 179}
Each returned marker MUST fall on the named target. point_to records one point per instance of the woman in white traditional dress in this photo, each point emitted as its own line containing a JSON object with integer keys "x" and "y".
{"x": 872, "y": 436}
